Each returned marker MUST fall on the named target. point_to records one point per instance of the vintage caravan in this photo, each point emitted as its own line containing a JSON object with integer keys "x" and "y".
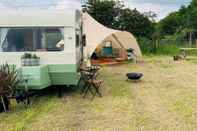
{"x": 52, "y": 35}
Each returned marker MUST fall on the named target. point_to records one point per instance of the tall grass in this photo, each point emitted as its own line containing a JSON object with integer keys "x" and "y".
{"x": 165, "y": 47}
{"x": 146, "y": 46}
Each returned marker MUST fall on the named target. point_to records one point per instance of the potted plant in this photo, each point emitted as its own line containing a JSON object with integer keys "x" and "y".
{"x": 30, "y": 60}
{"x": 8, "y": 81}
{"x": 26, "y": 59}
{"x": 35, "y": 60}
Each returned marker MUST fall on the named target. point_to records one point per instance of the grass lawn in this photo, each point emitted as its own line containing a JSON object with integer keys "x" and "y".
{"x": 166, "y": 99}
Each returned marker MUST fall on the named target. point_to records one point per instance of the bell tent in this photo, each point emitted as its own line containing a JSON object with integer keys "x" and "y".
{"x": 99, "y": 37}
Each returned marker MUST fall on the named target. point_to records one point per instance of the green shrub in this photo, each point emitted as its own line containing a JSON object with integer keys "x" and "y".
{"x": 8, "y": 79}
{"x": 146, "y": 45}
{"x": 167, "y": 49}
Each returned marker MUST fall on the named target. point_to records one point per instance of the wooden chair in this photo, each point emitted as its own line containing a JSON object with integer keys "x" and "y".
{"x": 89, "y": 76}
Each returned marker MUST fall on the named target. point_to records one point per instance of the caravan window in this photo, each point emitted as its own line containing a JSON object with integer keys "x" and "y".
{"x": 31, "y": 39}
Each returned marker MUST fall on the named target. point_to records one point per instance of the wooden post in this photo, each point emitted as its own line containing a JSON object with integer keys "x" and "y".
{"x": 4, "y": 107}
{"x": 190, "y": 39}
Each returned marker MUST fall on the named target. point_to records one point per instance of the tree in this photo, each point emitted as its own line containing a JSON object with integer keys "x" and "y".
{"x": 151, "y": 15}
{"x": 113, "y": 14}
{"x": 184, "y": 20}
{"x": 135, "y": 22}
{"x": 192, "y": 15}
{"x": 104, "y": 11}
{"x": 171, "y": 24}
{"x": 156, "y": 37}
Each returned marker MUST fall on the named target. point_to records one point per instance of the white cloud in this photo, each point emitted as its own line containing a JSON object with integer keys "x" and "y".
{"x": 160, "y": 10}
{"x": 161, "y": 7}
{"x": 68, "y": 4}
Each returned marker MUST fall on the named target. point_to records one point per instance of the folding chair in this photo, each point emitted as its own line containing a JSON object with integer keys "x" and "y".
{"x": 92, "y": 83}
{"x": 85, "y": 76}
{"x": 89, "y": 77}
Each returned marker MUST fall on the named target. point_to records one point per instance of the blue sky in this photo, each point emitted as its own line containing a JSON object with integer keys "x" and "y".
{"x": 160, "y": 7}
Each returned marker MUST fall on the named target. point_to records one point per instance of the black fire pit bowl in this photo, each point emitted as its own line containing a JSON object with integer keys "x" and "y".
{"x": 134, "y": 76}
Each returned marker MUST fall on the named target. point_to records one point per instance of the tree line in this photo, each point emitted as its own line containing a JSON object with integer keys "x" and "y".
{"x": 181, "y": 23}
{"x": 114, "y": 14}
{"x": 176, "y": 28}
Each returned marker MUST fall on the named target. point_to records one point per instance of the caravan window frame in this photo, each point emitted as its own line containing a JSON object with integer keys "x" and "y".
{"x": 35, "y": 47}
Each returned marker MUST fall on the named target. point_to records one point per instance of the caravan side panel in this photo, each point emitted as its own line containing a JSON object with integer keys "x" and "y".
{"x": 66, "y": 74}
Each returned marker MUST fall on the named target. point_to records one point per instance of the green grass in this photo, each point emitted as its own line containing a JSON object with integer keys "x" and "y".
{"x": 164, "y": 100}
{"x": 147, "y": 47}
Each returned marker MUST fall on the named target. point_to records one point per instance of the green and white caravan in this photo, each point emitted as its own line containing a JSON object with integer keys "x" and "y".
{"x": 53, "y": 35}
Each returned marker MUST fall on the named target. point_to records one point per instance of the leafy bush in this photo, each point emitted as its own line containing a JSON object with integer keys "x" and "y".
{"x": 146, "y": 45}
{"x": 165, "y": 47}
{"x": 26, "y": 56}
{"x": 8, "y": 79}
{"x": 35, "y": 56}
{"x": 29, "y": 56}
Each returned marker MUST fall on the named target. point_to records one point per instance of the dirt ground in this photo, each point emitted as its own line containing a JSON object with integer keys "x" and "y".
{"x": 164, "y": 100}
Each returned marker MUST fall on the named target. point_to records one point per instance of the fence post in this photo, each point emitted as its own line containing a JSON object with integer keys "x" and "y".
{"x": 196, "y": 43}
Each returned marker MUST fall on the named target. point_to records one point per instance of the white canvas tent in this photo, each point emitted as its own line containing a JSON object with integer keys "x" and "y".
{"x": 97, "y": 34}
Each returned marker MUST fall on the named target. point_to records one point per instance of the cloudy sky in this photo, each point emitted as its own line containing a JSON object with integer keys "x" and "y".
{"x": 23, "y": 4}
{"x": 160, "y": 7}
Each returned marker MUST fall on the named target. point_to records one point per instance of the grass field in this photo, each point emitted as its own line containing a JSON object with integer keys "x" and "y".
{"x": 165, "y": 100}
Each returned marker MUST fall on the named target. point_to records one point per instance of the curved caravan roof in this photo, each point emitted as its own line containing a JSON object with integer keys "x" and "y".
{"x": 96, "y": 34}
{"x": 38, "y": 18}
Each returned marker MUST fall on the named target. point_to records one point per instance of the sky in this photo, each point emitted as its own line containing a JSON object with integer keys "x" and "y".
{"x": 161, "y": 7}
{"x": 31, "y": 4}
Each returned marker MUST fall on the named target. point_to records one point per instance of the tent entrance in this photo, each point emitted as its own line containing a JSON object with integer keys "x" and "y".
{"x": 107, "y": 51}
{"x": 111, "y": 47}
